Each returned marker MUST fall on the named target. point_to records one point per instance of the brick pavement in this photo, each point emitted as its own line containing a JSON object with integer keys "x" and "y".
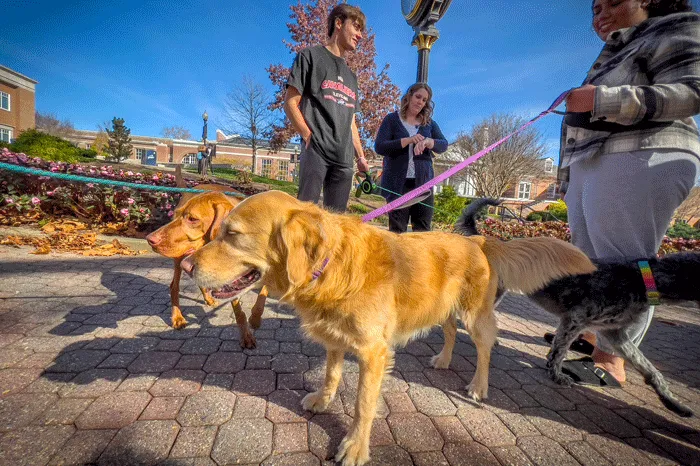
{"x": 90, "y": 373}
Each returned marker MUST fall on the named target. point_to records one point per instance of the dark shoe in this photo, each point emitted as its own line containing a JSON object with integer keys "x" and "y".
{"x": 584, "y": 372}
{"x": 579, "y": 345}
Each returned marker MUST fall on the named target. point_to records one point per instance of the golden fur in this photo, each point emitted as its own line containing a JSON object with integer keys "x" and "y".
{"x": 196, "y": 221}
{"x": 378, "y": 290}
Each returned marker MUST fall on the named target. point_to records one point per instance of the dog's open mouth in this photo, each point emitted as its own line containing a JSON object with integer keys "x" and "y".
{"x": 238, "y": 285}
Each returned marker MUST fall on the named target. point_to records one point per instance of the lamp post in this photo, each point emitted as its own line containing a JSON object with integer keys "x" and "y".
{"x": 422, "y": 15}
{"x": 205, "y": 160}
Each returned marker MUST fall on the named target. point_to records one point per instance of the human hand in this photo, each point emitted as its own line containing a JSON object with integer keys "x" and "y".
{"x": 427, "y": 143}
{"x": 581, "y": 99}
{"x": 307, "y": 140}
{"x": 362, "y": 165}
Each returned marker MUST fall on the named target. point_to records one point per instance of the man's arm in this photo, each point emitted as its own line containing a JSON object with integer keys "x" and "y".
{"x": 362, "y": 164}
{"x": 292, "y": 99}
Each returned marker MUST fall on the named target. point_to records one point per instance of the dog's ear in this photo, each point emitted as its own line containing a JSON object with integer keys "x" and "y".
{"x": 221, "y": 210}
{"x": 302, "y": 239}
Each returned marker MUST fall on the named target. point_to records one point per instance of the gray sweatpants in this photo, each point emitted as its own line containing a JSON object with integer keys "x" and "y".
{"x": 620, "y": 206}
{"x": 315, "y": 174}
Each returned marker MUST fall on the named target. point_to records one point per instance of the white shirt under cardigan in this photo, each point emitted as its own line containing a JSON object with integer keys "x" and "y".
{"x": 412, "y": 131}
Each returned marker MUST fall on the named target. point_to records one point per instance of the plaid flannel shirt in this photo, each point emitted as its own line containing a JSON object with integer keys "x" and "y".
{"x": 648, "y": 90}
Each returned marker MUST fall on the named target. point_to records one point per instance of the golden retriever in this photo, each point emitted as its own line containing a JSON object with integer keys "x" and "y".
{"x": 364, "y": 290}
{"x": 196, "y": 221}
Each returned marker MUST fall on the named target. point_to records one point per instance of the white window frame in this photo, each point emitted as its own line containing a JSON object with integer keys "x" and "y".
{"x": 9, "y": 101}
{"x": 9, "y": 134}
{"x": 140, "y": 153}
{"x": 524, "y": 187}
{"x": 550, "y": 163}
{"x": 266, "y": 168}
{"x": 282, "y": 170}
{"x": 189, "y": 159}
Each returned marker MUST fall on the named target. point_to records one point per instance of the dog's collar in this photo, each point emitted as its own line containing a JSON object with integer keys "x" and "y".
{"x": 653, "y": 296}
{"x": 317, "y": 273}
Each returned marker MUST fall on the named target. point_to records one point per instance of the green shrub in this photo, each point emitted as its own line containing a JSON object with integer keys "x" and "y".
{"x": 683, "y": 230}
{"x": 37, "y": 144}
{"x": 559, "y": 210}
{"x": 535, "y": 217}
{"x": 448, "y": 206}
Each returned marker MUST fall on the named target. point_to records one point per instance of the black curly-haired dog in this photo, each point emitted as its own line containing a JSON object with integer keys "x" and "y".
{"x": 608, "y": 300}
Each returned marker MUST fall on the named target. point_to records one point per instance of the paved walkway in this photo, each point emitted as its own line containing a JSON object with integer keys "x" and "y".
{"x": 90, "y": 372}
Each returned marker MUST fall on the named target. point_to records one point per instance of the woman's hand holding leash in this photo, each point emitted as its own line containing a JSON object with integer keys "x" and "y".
{"x": 581, "y": 99}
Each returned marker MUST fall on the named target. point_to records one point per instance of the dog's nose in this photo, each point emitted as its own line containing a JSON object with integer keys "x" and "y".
{"x": 153, "y": 240}
{"x": 187, "y": 265}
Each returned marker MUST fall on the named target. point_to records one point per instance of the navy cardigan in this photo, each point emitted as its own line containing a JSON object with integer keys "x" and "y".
{"x": 388, "y": 144}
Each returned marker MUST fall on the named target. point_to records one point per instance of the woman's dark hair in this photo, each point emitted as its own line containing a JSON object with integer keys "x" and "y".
{"x": 666, "y": 7}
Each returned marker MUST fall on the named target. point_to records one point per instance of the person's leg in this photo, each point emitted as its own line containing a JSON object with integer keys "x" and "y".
{"x": 627, "y": 207}
{"x": 312, "y": 172}
{"x": 422, "y": 215}
{"x": 398, "y": 218}
{"x": 336, "y": 188}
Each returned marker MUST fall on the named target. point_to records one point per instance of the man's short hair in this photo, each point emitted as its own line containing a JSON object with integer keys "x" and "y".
{"x": 344, "y": 12}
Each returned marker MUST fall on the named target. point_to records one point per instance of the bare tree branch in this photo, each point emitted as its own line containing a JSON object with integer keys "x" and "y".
{"x": 495, "y": 173}
{"x": 246, "y": 112}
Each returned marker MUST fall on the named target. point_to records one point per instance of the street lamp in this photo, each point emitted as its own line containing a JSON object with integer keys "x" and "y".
{"x": 205, "y": 117}
{"x": 422, "y": 15}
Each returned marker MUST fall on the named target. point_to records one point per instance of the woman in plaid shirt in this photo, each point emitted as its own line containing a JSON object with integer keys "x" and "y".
{"x": 630, "y": 147}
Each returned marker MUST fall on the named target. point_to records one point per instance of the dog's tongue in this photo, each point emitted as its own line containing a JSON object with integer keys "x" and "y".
{"x": 237, "y": 285}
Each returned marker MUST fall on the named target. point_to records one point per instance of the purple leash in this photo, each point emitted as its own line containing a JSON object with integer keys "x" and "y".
{"x": 460, "y": 166}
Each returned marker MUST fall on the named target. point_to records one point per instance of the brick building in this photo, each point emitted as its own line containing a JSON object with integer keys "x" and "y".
{"x": 17, "y": 103}
{"x": 231, "y": 151}
{"x": 527, "y": 194}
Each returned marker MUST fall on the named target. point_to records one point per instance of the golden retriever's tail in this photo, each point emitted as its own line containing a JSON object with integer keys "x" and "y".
{"x": 528, "y": 264}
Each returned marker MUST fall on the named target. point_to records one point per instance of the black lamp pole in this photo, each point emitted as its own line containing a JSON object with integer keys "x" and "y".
{"x": 422, "y": 16}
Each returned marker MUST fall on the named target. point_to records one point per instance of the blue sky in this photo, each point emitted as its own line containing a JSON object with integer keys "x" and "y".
{"x": 159, "y": 63}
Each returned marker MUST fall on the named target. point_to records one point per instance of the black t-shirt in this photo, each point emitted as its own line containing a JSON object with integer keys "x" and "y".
{"x": 329, "y": 98}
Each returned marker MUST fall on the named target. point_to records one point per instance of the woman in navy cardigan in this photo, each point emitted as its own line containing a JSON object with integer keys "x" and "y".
{"x": 406, "y": 139}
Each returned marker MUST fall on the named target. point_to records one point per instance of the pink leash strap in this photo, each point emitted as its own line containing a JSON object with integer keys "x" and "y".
{"x": 460, "y": 166}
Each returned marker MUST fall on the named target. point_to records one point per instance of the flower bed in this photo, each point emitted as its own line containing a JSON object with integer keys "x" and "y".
{"x": 510, "y": 230}
{"x": 31, "y": 199}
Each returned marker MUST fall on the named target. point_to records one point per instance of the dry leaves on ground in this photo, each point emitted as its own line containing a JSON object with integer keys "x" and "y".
{"x": 70, "y": 236}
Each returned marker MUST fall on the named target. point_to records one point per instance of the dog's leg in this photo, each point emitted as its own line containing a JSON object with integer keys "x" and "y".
{"x": 247, "y": 340}
{"x": 176, "y": 318}
{"x": 354, "y": 449}
{"x": 618, "y": 339}
{"x": 319, "y": 400}
{"x": 566, "y": 333}
{"x": 258, "y": 308}
{"x": 482, "y": 329}
{"x": 208, "y": 298}
{"x": 449, "y": 328}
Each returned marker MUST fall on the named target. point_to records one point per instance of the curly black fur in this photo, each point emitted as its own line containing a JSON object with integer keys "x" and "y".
{"x": 609, "y": 300}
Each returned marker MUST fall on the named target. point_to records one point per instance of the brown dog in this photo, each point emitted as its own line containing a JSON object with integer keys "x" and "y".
{"x": 364, "y": 290}
{"x": 196, "y": 222}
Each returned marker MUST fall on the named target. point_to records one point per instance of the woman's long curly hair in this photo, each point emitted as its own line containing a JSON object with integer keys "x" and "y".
{"x": 666, "y": 7}
{"x": 426, "y": 114}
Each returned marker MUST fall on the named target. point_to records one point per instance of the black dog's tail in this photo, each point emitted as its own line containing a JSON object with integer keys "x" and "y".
{"x": 466, "y": 225}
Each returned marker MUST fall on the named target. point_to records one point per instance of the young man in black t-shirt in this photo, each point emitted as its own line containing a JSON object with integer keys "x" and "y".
{"x": 321, "y": 102}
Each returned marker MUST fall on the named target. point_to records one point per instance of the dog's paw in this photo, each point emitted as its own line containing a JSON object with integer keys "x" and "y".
{"x": 476, "y": 392}
{"x": 211, "y": 301}
{"x": 352, "y": 452}
{"x": 179, "y": 322}
{"x": 247, "y": 341}
{"x": 438, "y": 362}
{"x": 315, "y": 402}
{"x": 255, "y": 319}
{"x": 559, "y": 377}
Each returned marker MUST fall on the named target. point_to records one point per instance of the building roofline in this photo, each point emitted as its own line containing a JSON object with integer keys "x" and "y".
{"x": 19, "y": 75}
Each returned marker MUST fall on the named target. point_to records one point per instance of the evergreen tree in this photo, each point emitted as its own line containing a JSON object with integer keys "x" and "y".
{"x": 120, "y": 147}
